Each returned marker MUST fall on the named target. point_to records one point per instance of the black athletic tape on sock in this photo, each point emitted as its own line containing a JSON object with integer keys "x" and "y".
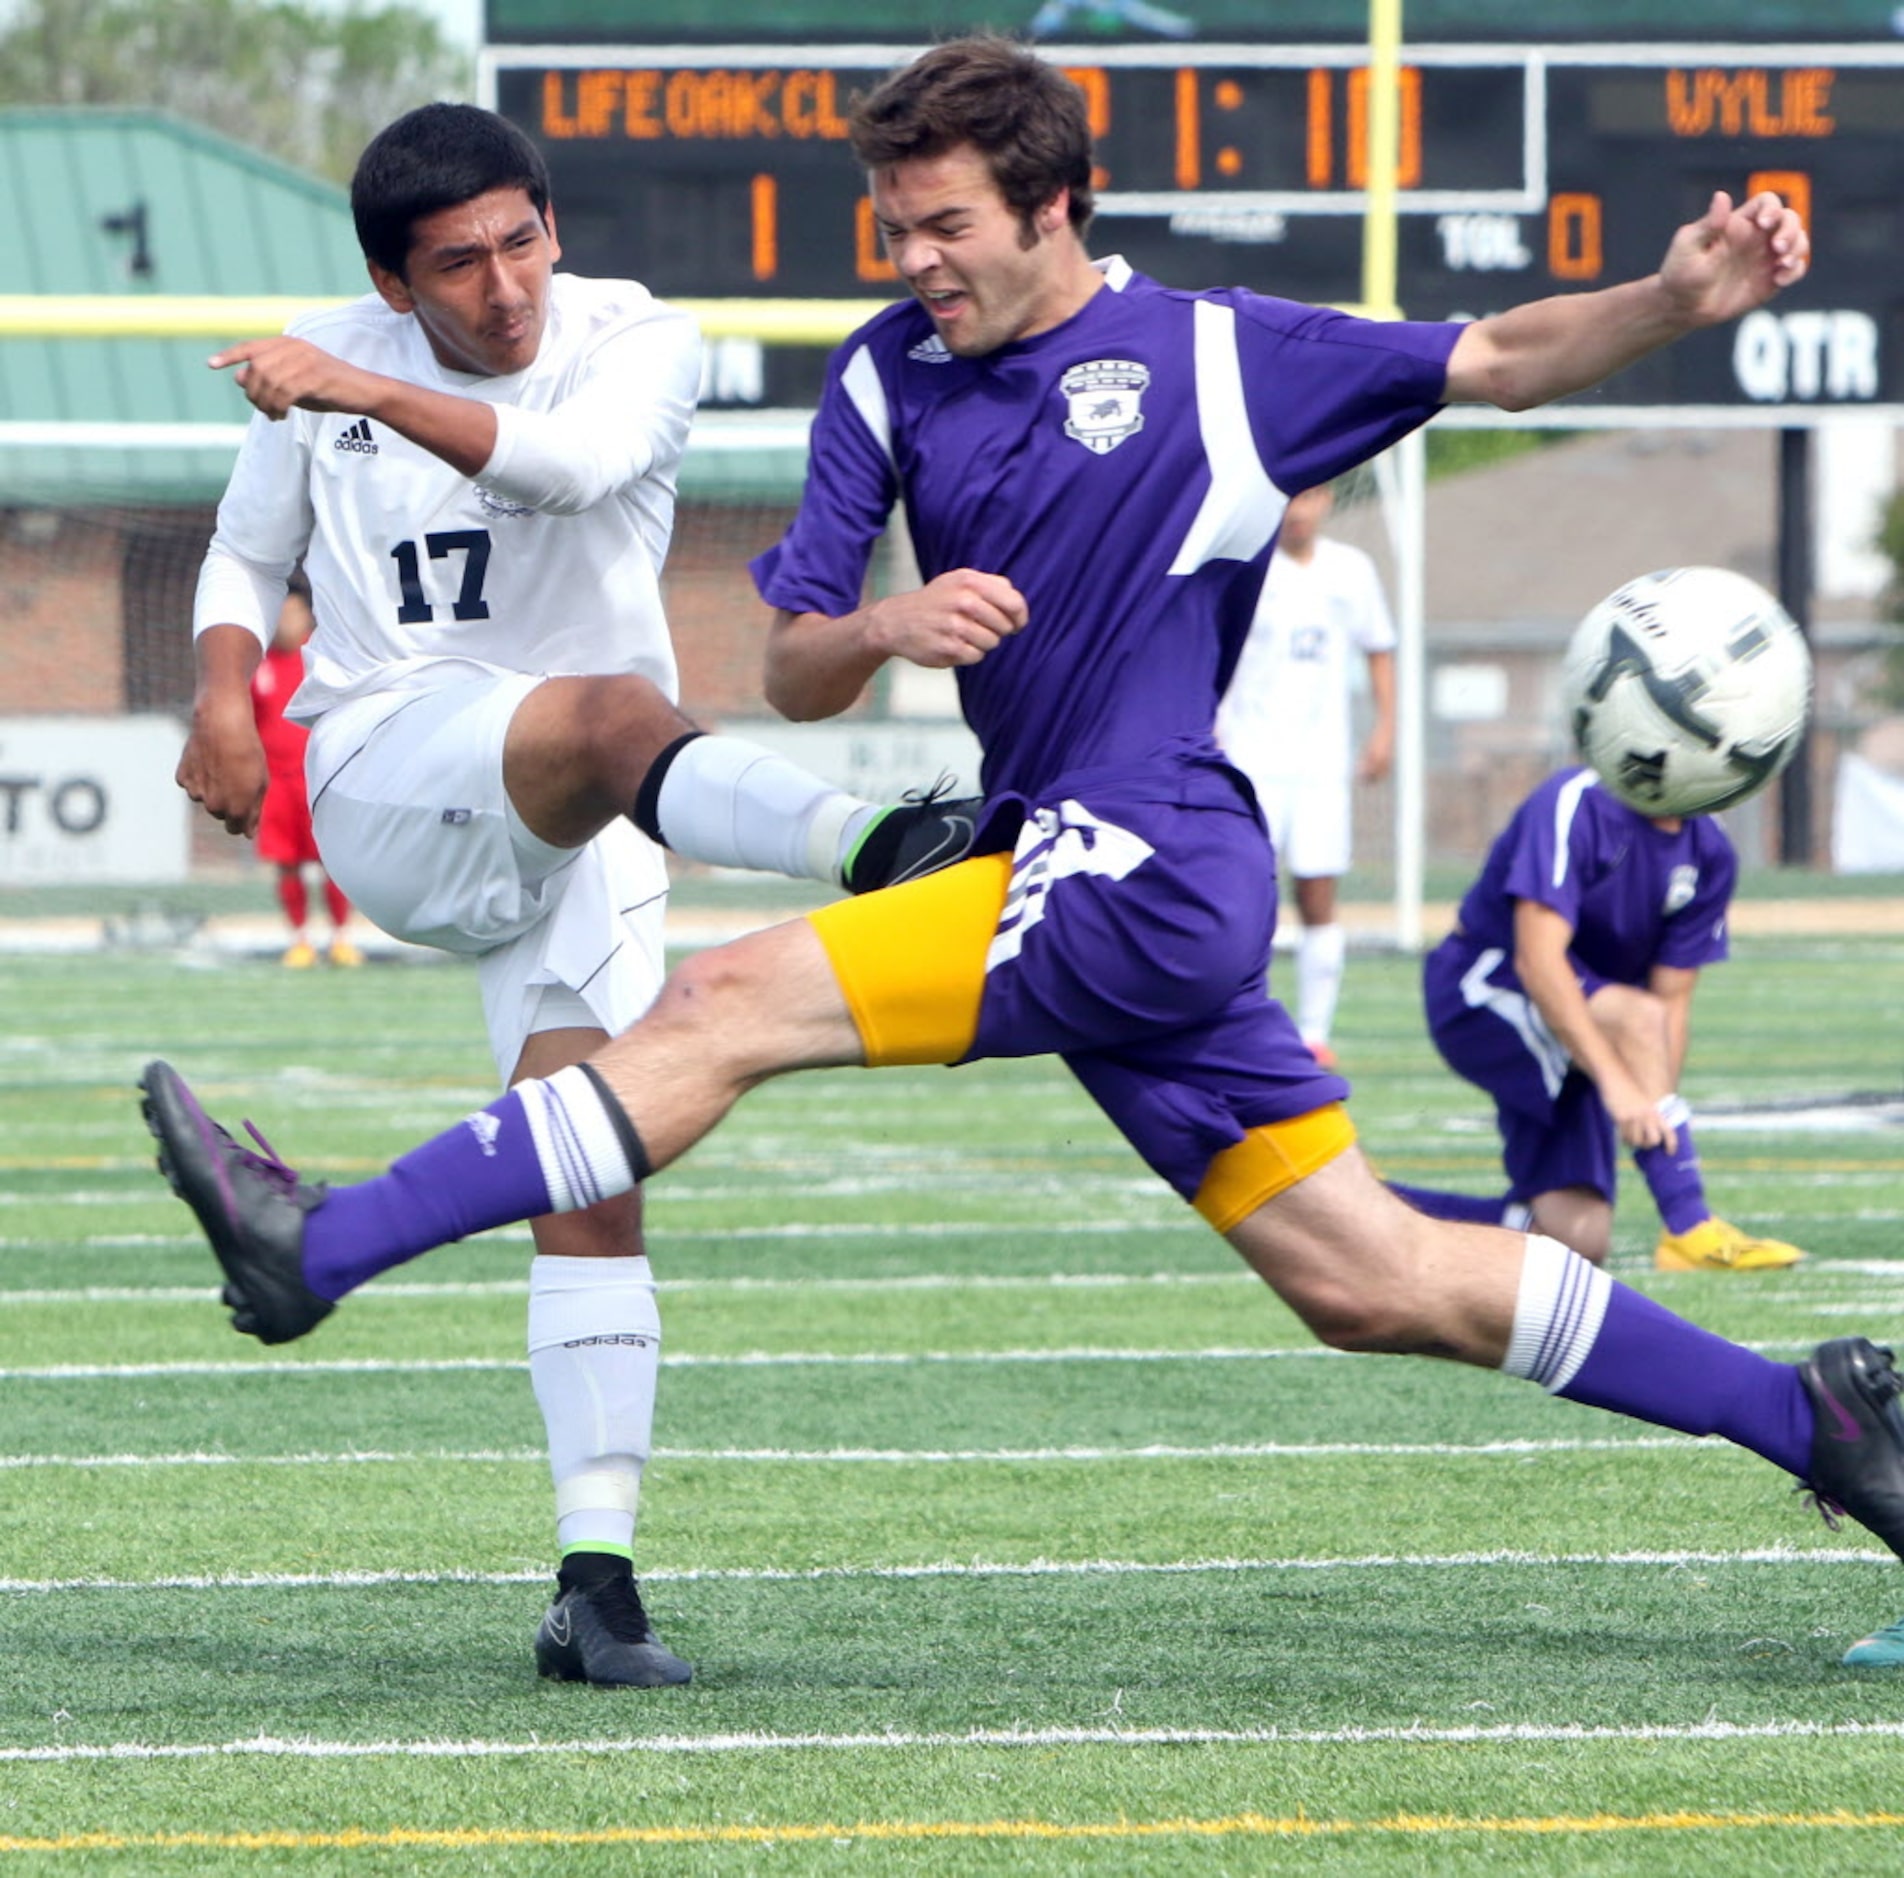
{"x": 646, "y": 812}
{"x": 638, "y": 1162}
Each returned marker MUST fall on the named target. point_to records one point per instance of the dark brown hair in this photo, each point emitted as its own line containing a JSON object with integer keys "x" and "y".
{"x": 1022, "y": 115}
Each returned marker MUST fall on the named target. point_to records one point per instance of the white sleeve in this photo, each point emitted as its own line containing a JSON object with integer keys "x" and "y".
{"x": 628, "y": 418}
{"x": 264, "y": 525}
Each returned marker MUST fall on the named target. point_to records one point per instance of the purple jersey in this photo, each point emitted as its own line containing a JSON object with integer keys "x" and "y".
{"x": 1635, "y": 895}
{"x": 1126, "y": 471}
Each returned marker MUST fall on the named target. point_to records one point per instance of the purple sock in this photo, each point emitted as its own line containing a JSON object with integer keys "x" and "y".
{"x": 1674, "y": 1180}
{"x": 1477, "y": 1209}
{"x": 483, "y": 1172}
{"x": 1650, "y": 1364}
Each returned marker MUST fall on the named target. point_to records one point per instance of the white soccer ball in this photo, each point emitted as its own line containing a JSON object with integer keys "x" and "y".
{"x": 1687, "y": 690}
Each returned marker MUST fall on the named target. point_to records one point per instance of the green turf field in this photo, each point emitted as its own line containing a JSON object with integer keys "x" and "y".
{"x": 1009, "y": 1525}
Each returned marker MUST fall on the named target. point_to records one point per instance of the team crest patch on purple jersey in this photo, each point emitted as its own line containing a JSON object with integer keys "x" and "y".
{"x": 1681, "y": 885}
{"x": 1104, "y": 401}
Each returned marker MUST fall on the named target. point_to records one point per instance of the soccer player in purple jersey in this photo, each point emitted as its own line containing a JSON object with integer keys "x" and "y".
{"x": 1565, "y": 991}
{"x": 1093, "y": 469}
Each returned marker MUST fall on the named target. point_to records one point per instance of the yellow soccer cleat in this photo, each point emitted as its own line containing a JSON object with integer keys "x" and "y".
{"x": 342, "y": 952}
{"x": 1716, "y": 1245}
{"x": 299, "y": 956}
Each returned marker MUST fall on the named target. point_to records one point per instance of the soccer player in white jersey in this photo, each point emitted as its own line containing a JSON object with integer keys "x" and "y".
{"x": 1286, "y": 723}
{"x": 477, "y": 463}
{"x": 1093, "y": 468}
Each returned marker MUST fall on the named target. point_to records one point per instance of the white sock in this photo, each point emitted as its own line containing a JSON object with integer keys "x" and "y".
{"x": 594, "y": 1354}
{"x": 1562, "y": 1303}
{"x": 738, "y": 804}
{"x": 1319, "y": 954}
{"x": 578, "y": 1146}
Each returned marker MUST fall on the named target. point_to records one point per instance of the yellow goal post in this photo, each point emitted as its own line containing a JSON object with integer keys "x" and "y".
{"x": 248, "y": 316}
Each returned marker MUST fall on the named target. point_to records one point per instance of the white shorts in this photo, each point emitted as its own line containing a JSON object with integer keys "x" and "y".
{"x": 1308, "y": 823}
{"x": 414, "y": 824}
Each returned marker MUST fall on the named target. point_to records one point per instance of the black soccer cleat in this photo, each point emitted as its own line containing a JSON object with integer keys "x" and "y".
{"x": 597, "y": 1631}
{"x": 913, "y": 838}
{"x": 251, "y": 1206}
{"x": 1857, "y": 1449}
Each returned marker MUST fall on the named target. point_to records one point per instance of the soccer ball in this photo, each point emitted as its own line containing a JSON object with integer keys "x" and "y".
{"x": 1687, "y": 690}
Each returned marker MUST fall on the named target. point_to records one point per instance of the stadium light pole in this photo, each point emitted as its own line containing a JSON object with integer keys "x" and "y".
{"x": 1795, "y": 594}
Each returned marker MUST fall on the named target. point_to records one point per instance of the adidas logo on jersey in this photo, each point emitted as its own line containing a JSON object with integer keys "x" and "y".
{"x": 358, "y": 439}
{"x": 931, "y": 351}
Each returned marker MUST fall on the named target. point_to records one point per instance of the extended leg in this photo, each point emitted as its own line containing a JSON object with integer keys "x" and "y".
{"x": 1367, "y": 1273}
{"x": 582, "y": 751}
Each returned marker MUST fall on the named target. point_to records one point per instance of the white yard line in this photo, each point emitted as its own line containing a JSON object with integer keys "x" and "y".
{"x": 1682, "y": 1446}
{"x": 1509, "y": 1734}
{"x": 1238, "y": 1279}
{"x": 1780, "y": 1555}
{"x": 1792, "y": 1290}
{"x": 745, "y": 1359}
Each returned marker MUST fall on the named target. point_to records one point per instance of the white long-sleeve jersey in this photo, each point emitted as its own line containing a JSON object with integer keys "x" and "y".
{"x": 549, "y": 560}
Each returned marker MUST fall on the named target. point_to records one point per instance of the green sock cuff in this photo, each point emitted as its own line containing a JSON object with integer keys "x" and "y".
{"x": 859, "y": 841}
{"x": 600, "y": 1548}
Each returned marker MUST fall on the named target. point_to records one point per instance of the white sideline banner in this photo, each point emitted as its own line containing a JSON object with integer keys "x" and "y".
{"x": 880, "y": 760}
{"x": 1867, "y": 822}
{"x": 91, "y": 799}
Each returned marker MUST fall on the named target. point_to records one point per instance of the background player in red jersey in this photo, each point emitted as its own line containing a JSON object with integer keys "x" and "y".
{"x": 284, "y": 822}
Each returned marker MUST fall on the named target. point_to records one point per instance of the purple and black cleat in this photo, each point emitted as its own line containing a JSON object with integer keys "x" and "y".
{"x": 250, "y": 1204}
{"x": 1857, "y": 1449}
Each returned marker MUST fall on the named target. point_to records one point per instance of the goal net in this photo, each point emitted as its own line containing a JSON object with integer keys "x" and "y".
{"x": 102, "y": 527}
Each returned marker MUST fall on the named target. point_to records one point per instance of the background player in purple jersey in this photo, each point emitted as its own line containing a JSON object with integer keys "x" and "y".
{"x": 1565, "y": 991}
{"x": 1093, "y": 469}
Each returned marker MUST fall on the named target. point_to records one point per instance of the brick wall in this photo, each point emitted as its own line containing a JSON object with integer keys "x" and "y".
{"x": 61, "y": 647}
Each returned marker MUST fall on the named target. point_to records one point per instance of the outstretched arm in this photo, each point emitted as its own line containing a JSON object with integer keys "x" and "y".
{"x": 1717, "y": 268}
{"x": 283, "y": 374}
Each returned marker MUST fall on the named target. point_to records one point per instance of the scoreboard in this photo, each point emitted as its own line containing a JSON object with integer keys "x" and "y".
{"x": 1524, "y": 170}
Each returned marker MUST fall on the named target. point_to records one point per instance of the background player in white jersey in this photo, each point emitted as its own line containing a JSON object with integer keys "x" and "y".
{"x": 1286, "y": 723}
{"x": 476, "y": 463}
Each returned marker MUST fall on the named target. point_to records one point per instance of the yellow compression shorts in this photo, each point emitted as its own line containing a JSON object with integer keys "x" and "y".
{"x": 911, "y": 963}
{"x": 911, "y": 959}
{"x": 1271, "y": 1158}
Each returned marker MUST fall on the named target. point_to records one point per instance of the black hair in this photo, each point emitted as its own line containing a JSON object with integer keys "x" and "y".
{"x": 437, "y": 157}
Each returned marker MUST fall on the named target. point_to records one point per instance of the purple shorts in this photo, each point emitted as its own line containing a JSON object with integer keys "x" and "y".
{"x": 1555, "y": 1131}
{"x": 1134, "y": 943}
